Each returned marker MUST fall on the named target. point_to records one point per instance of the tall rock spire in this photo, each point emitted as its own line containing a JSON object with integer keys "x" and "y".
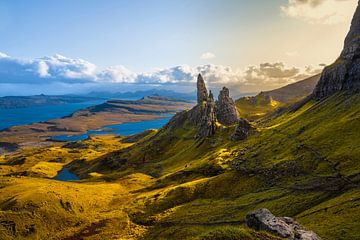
{"x": 202, "y": 94}
{"x": 344, "y": 74}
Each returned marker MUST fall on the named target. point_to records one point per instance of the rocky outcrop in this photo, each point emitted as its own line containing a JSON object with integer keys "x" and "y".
{"x": 202, "y": 94}
{"x": 207, "y": 113}
{"x": 243, "y": 130}
{"x": 226, "y": 111}
{"x": 285, "y": 227}
{"x": 344, "y": 74}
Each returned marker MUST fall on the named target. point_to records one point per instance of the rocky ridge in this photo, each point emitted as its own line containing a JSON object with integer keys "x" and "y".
{"x": 344, "y": 74}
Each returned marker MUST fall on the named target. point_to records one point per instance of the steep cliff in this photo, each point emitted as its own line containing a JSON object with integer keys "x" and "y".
{"x": 344, "y": 74}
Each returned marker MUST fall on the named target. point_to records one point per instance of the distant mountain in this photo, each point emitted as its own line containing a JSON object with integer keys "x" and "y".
{"x": 294, "y": 92}
{"x": 141, "y": 94}
{"x": 265, "y": 102}
{"x": 41, "y": 100}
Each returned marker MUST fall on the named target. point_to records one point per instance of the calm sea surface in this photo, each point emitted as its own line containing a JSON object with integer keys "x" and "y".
{"x": 22, "y": 116}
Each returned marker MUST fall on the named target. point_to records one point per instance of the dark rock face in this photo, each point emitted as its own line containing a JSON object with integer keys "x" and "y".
{"x": 285, "y": 227}
{"x": 227, "y": 113}
{"x": 243, "y": 130}
{"x": 344, "y": 74}
{"x": 207, "y": 124}
{"x": 202, "y": 94}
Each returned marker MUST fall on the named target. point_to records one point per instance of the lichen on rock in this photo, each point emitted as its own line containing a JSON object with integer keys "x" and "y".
{"x": 285, "y": 227}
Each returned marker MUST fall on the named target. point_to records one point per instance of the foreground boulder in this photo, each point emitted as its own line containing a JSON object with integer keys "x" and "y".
{"x": 243, "y": 130}
{"x": 285, "y": 227}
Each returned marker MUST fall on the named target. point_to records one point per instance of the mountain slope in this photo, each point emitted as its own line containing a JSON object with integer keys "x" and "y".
{"x": 265, "y": 102}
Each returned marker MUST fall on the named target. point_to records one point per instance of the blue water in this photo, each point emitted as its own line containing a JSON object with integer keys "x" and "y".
{"x": 65, "y": 175}
{"x": 22, "y": 116}
{"x": 123, "y": 129}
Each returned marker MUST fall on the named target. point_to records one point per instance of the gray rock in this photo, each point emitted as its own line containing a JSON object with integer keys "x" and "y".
{"x": 344, "y": 74}
{"x": 243, "y": 130}
{"x": 285, "y": 227}
{"x": 202, "y": 94}
{"x": 204, "y": 117}
{"x": 206, "y": 113}
{"x": 227, "y": 113}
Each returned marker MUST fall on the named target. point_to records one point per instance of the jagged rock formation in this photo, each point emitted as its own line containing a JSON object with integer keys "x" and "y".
{"x": 207, "y": 113}
{"x": 285, "y": 227}
{"x": 202, "y": 94}
{"x": 243, "y": 130}
{"x": 344, "y": 74}
{"x": 226, "y": 113}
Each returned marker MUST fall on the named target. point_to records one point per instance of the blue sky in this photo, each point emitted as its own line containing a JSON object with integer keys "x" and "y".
{"x": 147, "y": 35}
{"x": 138, "y": 34}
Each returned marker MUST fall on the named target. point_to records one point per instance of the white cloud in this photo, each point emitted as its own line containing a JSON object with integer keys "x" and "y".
{"x": 43, "y": 69}
{"x": 117, "y": 74}
{"x": 207, "y": 56}
{"x": 320, "y": 11}
{"x": 3, "y": 55}
{"x": 68, "y": 74}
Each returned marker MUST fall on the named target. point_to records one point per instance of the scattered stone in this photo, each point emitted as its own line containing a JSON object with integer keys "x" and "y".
{"x": 243, "y": 130}
{"x": 285, "y": 227}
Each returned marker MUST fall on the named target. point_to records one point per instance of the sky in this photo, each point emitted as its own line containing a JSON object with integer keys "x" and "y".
{"x": 57, "y": 47}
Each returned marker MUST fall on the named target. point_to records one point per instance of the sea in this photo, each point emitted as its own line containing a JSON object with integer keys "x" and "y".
{"x": 22, "y": 116}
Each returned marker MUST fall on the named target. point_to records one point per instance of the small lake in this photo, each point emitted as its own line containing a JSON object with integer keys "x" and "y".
{"x": 21, "y": 116}
{"x": 65, "y": 175}
{"x": 123, "y": 129}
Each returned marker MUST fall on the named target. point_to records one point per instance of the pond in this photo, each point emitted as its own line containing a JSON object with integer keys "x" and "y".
{"x": 65, "y": 175}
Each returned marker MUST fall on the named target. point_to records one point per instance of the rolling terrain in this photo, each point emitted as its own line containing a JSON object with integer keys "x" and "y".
{"x": 200, "y": 175}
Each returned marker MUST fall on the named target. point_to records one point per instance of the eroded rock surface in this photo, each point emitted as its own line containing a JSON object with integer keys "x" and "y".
{"x": 285, "y": 227}
{"x": 202, "y": 94}
{"x": 226, "y": 111}
{"x": 243, "y": 130}
{"x": 344, "y": 74}
{"x": 207, "y": 114}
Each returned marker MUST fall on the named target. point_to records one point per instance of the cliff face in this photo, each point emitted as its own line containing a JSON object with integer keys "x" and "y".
{"x": 344, "y": 74}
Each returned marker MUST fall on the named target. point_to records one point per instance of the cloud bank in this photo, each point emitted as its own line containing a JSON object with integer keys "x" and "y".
{"x": 319, "y": 11}
{"x": 60, "y": 75}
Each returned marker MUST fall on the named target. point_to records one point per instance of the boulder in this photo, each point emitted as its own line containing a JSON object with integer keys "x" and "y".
{"x": 285, "y": 227}
{"x": 243, "y": 130}
{"x": 227, "y": 113}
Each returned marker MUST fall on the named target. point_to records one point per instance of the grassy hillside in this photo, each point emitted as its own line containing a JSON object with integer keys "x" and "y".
{"x": 303, "y": 164}
{"x": 264, "y": 103}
